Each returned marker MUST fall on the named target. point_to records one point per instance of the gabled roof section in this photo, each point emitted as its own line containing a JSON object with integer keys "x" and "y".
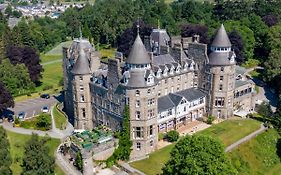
{"x": 175, "y": 98}
{"x": 165, "y": 103}
{"x": 81, "y": 66}
{"x": 138, "y": 53}
{"x": 221, "y": 38}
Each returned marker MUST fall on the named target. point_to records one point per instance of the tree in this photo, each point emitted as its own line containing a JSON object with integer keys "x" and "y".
{"x": 36, "y": 159}
{"x": 124, "y": 146}
{"x": 198, "y": 154}
{"x": 8, "y": 10}
{"x": 237, "y": 45}
{"x": 15, "y": 78}
{"x": 172, "y": 136}
{"x": 5, "y": 156}
{"x": 43, "y": 121}
{"x": 270, "y": 20}
{"x": 78, "y": 161}
{"x": 6, "y": 99}
{"x": 189, "y": 30}
{"x": 264, "y": 109}
{"x": 273, "y": 65}
{"x": 29, "y": 57}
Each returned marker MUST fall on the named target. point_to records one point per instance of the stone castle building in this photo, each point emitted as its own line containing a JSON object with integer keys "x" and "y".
{"x": 166, "y": 83}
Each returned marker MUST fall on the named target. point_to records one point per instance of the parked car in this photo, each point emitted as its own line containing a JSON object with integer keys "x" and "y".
{"x": 21, "y": 115}
{"x": 10, "y": 118}
{"x": 45, "y": 109}
{"x": 46, "y": 96}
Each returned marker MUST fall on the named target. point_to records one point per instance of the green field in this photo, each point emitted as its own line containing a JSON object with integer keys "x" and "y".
{"x": 231, "y": 131}
{"x": 258, "y": 156}
{"x": 17, "y": 142}
{"x": 228, "y": 131}
{"x": 60, "y": 118}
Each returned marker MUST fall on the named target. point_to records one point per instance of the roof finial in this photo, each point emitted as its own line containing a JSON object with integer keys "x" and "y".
{"x": 158, "y": 24}
{"x": 138, "y": 25}
{"x": 80, "y": 31}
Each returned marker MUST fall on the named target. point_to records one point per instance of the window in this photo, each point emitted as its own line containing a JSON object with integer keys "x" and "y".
{"x": 138, "y": 146}
{"x": 222, "y": 69}
{"x": 138, "y": 132}
{"x": 137, "y": 103}
{"x": 219, "y": 102}
{"x": 137, "y": 93}
{"x": 221, "y": 78}
{"x": 162, "y": 126}
{"x": 137, "y": 115}
{"x": 82, "y": 98}
{"x": 184, "y": 109}
{"x": 150, "y": 113}
{"x": 151, "y": 143}
{"x": 83, "y": 112}
{"x": 166, "y": 81}
{"x": 220, "y": 87}
{"x": 81, "y": 88}
{"x": 201, "y": 100}
{"x": 169, "y": 112}
{"x": 150, "y": 130}
{"x": 159, "y": 93}
{"x": 150, "y": 101}
{"x": 148, "y": 91}
{"x": 195, "y": 74}
{"x": 183, "y": 101}
{"x": 80, "y": 78}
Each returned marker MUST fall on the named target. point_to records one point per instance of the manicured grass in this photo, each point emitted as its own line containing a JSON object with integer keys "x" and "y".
{"x": 258, "y": 156}
{"x": 32, "y": 123}
{"x": 228, "y": 131}
{"x": 58, "y": 49}
{"x": 50, "y": 81}
{"x": 17, "y": 143}
{"x": 60, "y": 118}
{"x": 231, "y": 131}
{"x": 155, "y": 162}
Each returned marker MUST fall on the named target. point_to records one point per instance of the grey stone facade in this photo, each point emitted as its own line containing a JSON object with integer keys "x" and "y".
{"x": 166, "y": 83}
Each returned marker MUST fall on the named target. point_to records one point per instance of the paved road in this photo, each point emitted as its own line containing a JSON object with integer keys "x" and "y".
{"x": 51, "y": 62}
{"x": 245, "y": 139}
{"x": 33, "y": 106}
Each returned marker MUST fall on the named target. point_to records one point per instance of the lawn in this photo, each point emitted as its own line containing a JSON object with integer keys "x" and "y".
{"x": 258, "y": 156}
{"x": 228, "y": 131}
{"x": 17, "y": 142}
{"x": 231, "y": 131}
{"x": 155, "y": 162}
{"x": 60, "y": 118}
{"x": 51, "y": 78}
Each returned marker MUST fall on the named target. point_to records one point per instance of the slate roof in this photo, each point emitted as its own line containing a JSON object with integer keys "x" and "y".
{"x": 161, "y": 36}
{"x": 191, "y": 94}
{"x": 165, "y": 103}
{"x": 173, "y": 99}
{"x": 221, "y": 38}
{"x": 240, "y": 70}
{"x": 138, "y": 53}
{"x": 163, "y": 59}
{"x": 136, "y": 78}
{"x": 239, "y": 83}
{"x": 81, "y": 66}
{"x": 220, "y": 58}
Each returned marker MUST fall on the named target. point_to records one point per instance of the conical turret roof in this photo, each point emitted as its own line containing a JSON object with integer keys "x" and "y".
{"x": 138, "y": 53}
{"x": 221, "y": 38}
{"x": 81, "y": 66}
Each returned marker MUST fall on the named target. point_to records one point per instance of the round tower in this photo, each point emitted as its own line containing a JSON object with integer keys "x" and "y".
{"x": 141, "y": 96}
{"x": 221, "y": 70}
{"x": 81, "y": 72}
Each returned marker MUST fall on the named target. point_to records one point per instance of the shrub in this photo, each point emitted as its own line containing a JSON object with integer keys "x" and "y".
{"x": 210, "y": 120}
{"x": 161, "y": 136}
{"x": 43, "y": 121}
{"x": 47, "y": 87}
{"x": 172, "y": 136}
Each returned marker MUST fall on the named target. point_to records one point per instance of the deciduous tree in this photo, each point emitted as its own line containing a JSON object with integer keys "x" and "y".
{"x": 6, "y": 99}
{"x": 199, "y": 155}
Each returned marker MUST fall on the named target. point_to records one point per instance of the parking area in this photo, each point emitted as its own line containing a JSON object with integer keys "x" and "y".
{"x": 33, "y": 107}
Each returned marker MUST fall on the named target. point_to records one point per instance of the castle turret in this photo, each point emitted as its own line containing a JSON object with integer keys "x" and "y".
{"x": 138, "y": 56}
{"x": 141, "y": 92}
{"x": 81, "y": 91}
{"x": 221, "y": 69}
